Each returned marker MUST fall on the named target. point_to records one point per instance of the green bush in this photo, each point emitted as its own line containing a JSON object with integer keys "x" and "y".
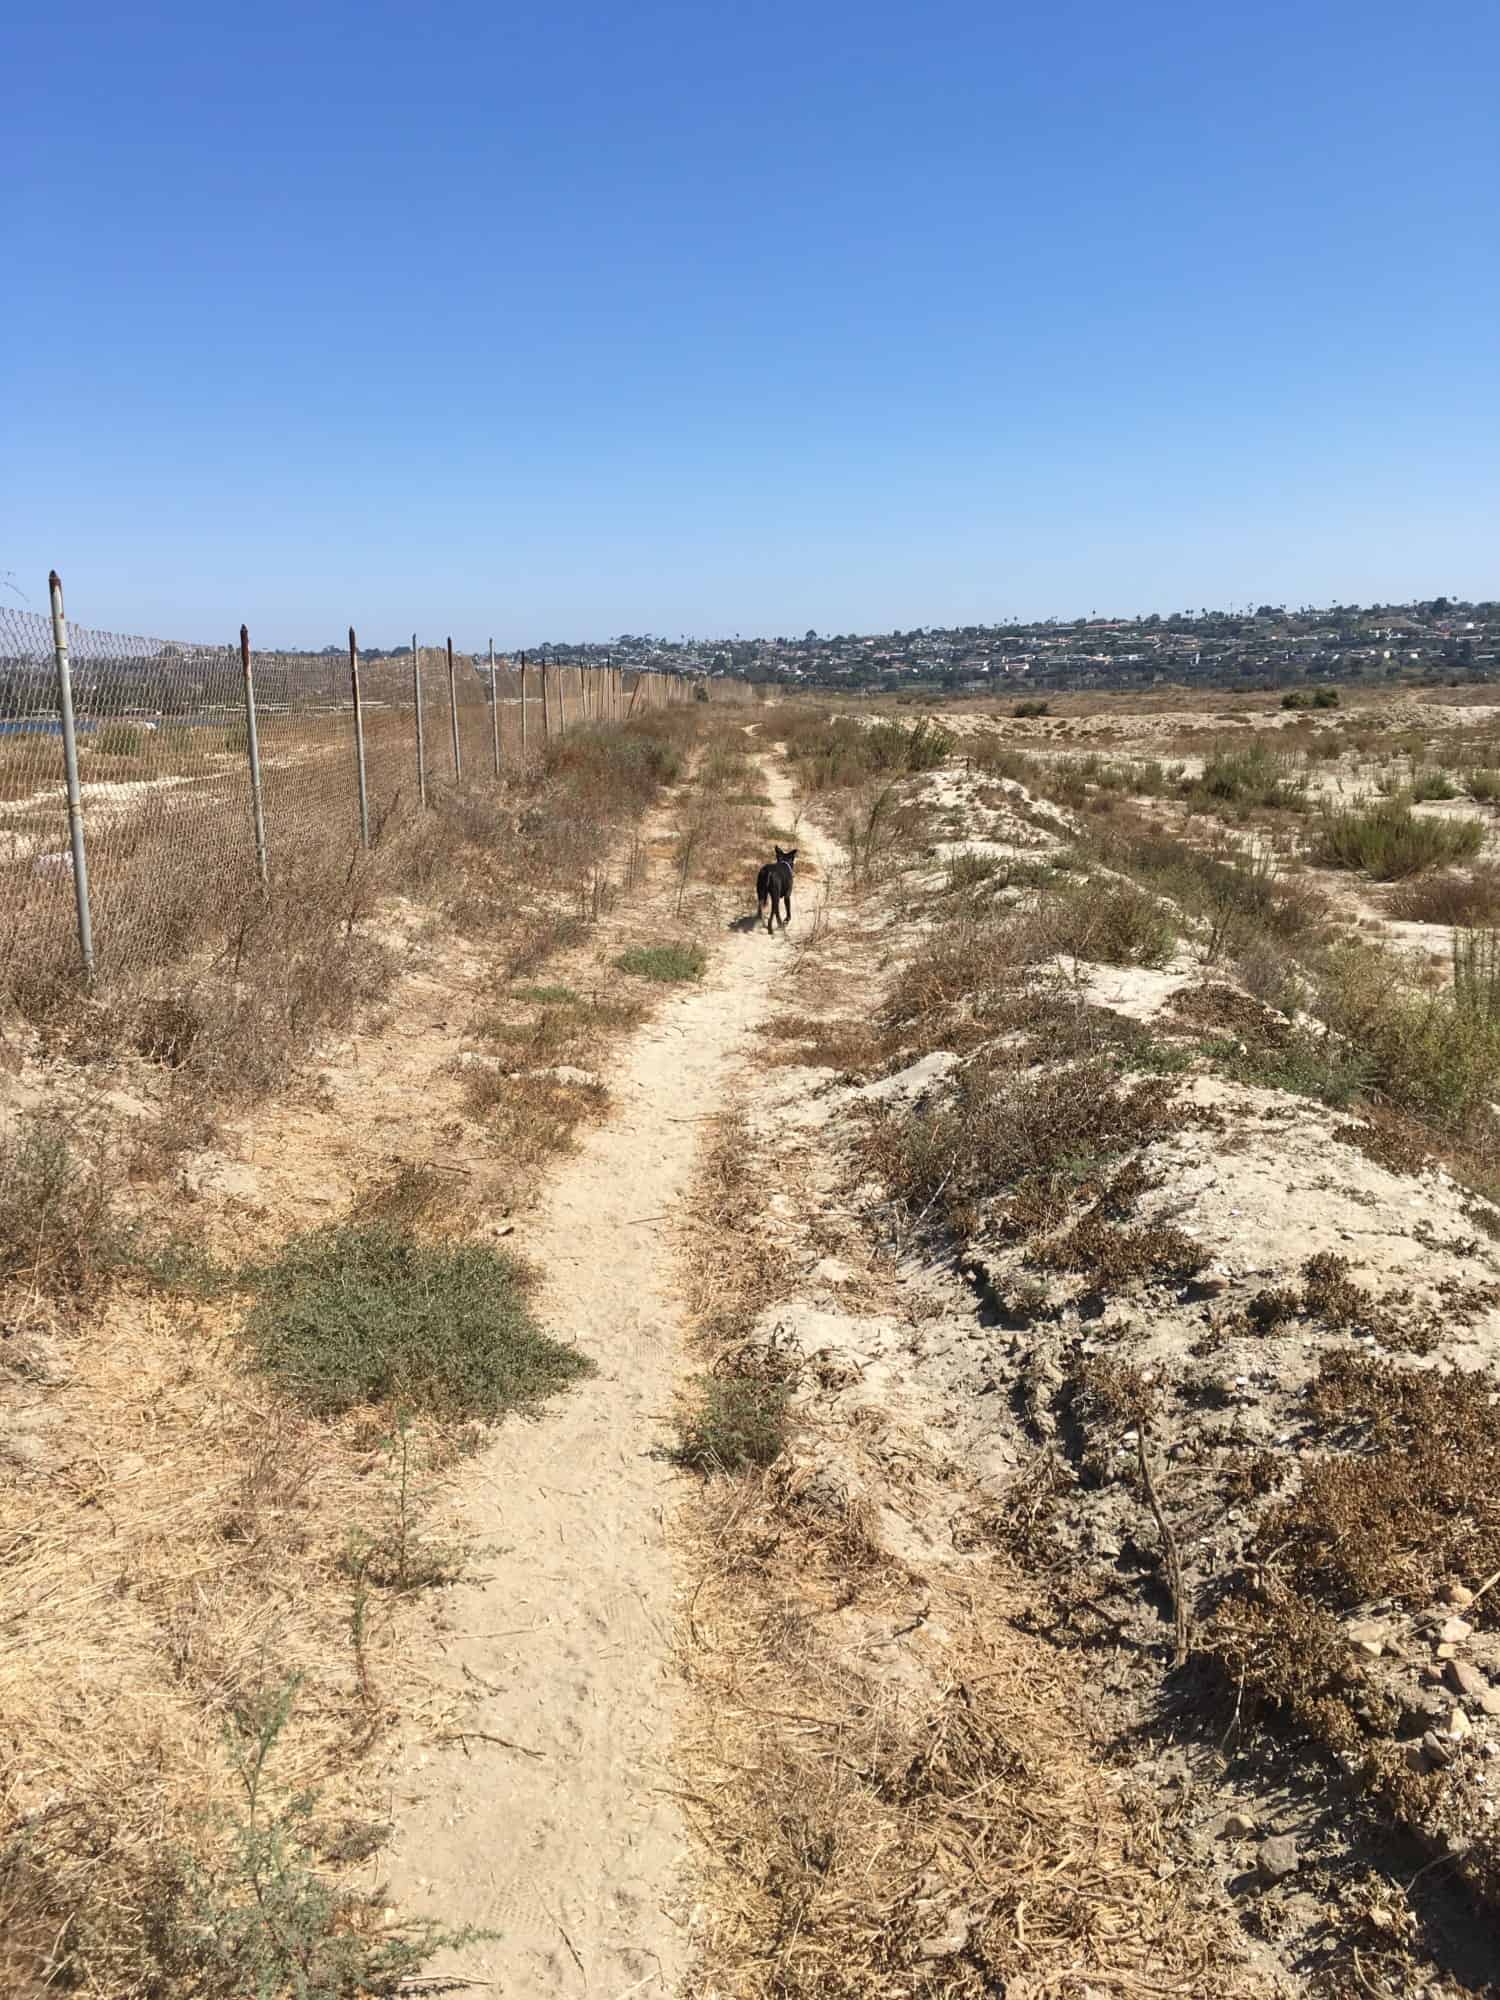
{"x": 1323, "y": 697}
{"x": 739, "y": 1420}
{"x": 1112, "y": 923}
{"x": 1389, "y": 841}
{"x": 1484, "y": 786}
{"x": 841, "y": 751}
{"x": 347, "y": 1315}
{"x": 664, "y": 961}
{"x": 1247, "y": 777}
{"x": 1425, "y": 1054}
{"x": 261, "y": 1919}
{"x": 1028, "y": 710}
{"x": 1433, "y": 784}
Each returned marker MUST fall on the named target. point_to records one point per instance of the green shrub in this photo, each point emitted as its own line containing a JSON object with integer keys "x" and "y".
{"x": 738, "y": 1420}
{"x": 1483, "y": 786}
{"x": 968, "y": 869}
{"x": 348, "y": 1315}
{"x": 1112, "y": 923}
{"x": 664, "y": 961}
{"x": 1389, "y": 841}
{"x": 1432, "y": 784}
{"x": 1476, "y": 973}
{"x": 1323, "y": 697}
{"x": 839, "y": 751}
{"x": 1424, "y": 1054}
{"x": 261, "y": 1919}
{"x": 1249, "y": 777}
{"x": 1027, "y": 710}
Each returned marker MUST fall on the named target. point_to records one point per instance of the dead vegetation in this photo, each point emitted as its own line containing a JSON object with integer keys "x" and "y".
{"x": 222, "y": 1489}
{"x": 886, "y": 1776}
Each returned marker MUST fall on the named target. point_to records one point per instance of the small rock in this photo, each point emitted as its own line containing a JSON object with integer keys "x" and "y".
{"x": 1447, "y": 1652}
{"x": 1276, "y": 1858}
{"x": 1457, "y": 1594}
{"x": 1459, "y": 1725}
{"x": 1466, "y": 1680}
{"x": 1489, "y": 1701}
{"x": 1416, "y": 1757}
{"x": 1369, "y": 1634}
{"x": 949, "y": 1941}
{"x": 1453, "y": 1631}
{"x": 1237, "y": 1826}
{"x": 1439, "y": 1749}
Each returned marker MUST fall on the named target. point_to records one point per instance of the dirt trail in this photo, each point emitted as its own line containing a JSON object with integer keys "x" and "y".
{"x": 553, "y": 1825}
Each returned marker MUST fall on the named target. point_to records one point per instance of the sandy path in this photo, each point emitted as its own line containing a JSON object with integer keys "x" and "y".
{"x": 571, "y": 1846}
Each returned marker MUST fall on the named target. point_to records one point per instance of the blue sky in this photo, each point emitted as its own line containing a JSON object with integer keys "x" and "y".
{"x": 559, "y": 321}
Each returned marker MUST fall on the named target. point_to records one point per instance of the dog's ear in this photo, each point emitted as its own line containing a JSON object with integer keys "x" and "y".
{"x": 790, "y": 855}
{"x": 779, "y": 855}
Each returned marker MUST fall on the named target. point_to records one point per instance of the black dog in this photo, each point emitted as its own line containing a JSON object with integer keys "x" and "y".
{"x": 773, "y": 885}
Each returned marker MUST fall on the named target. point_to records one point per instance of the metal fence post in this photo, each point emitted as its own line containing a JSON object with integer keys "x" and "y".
{"x": 523, "y": 711}
{"x": 252, "y": 750}
{"x": 75, "y": 796}
{"x": 494, "y": 709}
{"x": 416, "y": 695}
{"x": 458, "y": 755}
{"x": 359, "y": 741}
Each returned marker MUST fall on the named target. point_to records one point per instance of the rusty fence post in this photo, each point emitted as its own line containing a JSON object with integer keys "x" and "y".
{"x": 458, "y": 755}
{"x": 252, "y": 752}
{"x": 416, "y": 695}
{"x": 75, "y": 795}
{"x": 494, "y": 710}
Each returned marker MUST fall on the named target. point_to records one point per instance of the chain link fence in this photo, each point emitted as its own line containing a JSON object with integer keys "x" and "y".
{"x": 188, "y": 773}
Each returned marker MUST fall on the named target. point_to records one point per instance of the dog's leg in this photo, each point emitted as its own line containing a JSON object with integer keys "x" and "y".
{"x": 787, "y": 899}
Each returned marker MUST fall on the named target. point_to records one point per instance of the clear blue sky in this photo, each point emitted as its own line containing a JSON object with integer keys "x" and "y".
{"x": 564, "y": 320}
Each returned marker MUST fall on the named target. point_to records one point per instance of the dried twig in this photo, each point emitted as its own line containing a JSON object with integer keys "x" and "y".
{"x": 1169, "y": 1546}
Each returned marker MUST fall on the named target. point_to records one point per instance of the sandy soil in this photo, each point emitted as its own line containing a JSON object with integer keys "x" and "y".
{"x": 552, "y": 1823}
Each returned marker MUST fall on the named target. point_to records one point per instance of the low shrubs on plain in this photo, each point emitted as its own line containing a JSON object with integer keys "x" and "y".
{"x": 1248, "y": 777}
{"x": 348, "y": 1315}
{"x": 1389, "y": 841}
{"x": 664, "y": 962}
{"x": 738, "y": 1420}
{"x": 60, "y": 1230}
{"x": 1454, "y": 899}
{"x": 1323, "y": 697}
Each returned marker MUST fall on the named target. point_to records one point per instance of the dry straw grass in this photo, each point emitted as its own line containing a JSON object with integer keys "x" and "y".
{"x": 179, "y": 1546}
{"x": 892, "y": 1788}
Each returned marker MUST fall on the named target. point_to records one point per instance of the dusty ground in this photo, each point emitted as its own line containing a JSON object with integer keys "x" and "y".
{"x": 895, "y": 1714}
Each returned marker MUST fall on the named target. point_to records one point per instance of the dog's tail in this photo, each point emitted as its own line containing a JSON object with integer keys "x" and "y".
{"x": 761, "y": 900}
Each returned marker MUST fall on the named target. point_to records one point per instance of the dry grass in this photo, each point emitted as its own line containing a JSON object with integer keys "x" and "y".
{"x": 889, "y": 1786}
{"x": 177, "y": 1543}
{"x": 154, "y": 1592}
{"x": 1473, "y": 898}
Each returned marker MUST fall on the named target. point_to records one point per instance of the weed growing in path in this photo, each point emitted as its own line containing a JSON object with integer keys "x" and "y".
{"x": 664, "y": 962}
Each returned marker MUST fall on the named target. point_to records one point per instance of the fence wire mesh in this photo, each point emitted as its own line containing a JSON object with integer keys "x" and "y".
{"x": 164, "y": 771}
